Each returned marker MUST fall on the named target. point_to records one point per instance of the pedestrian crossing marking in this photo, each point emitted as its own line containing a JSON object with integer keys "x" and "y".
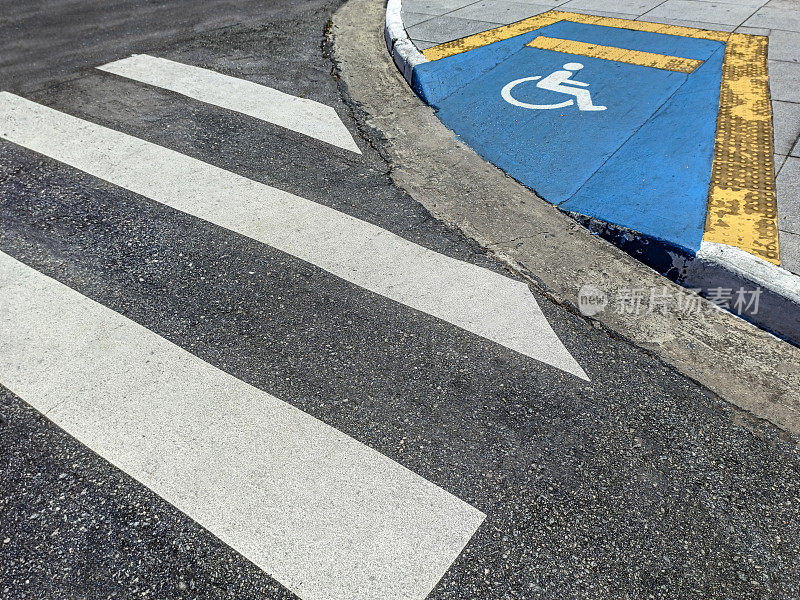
{"x": 633, "y": 57}
{"x": 322, "y": 513}
{"x": 302, "y": 115}
{"x": 475, "y": 299}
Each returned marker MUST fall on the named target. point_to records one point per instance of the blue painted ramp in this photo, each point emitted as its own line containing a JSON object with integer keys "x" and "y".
{"x": 643, "y": 163}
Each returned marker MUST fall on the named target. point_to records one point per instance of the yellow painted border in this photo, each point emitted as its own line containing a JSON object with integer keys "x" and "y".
{"x": 631, "y": 57}
{"x": 742, "y": 203}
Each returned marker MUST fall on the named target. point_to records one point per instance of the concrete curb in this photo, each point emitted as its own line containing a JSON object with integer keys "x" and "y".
{"x": 728, "y": 267}
{"x": 742, "y": 364}
{"x": 403, "y": 51}
{"x": 714, "y": 266}
{"x": 752, "y": 267}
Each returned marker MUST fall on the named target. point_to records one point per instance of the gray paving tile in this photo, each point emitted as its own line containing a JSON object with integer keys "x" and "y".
{"x": 783, "y": 4}
{"x": 785, "y": 125}
{"x": 784, "y": 45}
{"x": 788, "y": 184}
{"x": 775, "y": 18}
{"x": 784, "y": 81}
{"x": 682, "y": 23}
{"x": 634, "y": 7}
{"x": 423, "y": 45}
{"x": 446, "y": 28}
{"x": 753, "y": 30}
{"x": 603, "y": 13}
{"x": 752, "y": 4}
{"x": 779, "y": 160}
{"x": 796, "y": 150}
{"x": 499, "y": 11}
{"x": 434, "y": 7}
{"x": 411, "y": 18}
{"x": 549, "y": 3}
{"x": 705, "y": 12}
{"x": 789, "y": 249}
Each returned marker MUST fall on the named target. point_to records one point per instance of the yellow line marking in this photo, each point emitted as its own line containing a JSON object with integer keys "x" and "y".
{"x": 554, "y": 16}
{"x": 742, "y": 203}
{"x": 632, "y": 57}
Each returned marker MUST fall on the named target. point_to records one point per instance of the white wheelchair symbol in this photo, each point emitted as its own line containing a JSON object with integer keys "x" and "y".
{"x": 555, "y": 83}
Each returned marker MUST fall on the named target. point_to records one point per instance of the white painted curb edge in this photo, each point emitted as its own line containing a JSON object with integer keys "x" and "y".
{"x": 753, "y": 268}
{"x": 403, "y": 51}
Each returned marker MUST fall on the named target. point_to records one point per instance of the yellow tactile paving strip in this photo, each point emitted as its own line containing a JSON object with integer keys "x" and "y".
{"x": 742, "y": 203}
{"x": 633, "y": 57}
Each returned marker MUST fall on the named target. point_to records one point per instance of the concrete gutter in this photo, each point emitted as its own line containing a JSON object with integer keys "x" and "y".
{"x": 742, "y": 364}
{"x": 714, "y": 266}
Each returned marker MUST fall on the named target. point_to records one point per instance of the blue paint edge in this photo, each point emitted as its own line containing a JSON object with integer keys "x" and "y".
{"x": 664, "y": 257}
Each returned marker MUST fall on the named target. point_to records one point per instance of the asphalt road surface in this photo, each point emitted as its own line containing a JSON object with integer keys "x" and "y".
{"x": 179, "y": 275}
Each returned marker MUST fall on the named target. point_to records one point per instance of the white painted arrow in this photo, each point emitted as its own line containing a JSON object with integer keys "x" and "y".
{"x": 302, "y": 115}
{"x": 478, "y": 300}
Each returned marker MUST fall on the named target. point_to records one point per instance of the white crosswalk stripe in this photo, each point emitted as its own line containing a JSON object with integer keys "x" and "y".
{"x": 473, "y": 298}
{"x": 322, "y": 513}
{"x": 302, "y": 115}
